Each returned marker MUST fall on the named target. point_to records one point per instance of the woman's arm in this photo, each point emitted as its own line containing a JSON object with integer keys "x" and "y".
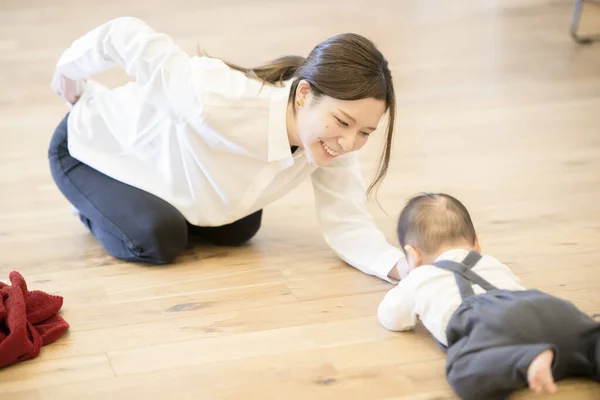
{"x": 161, "y": 69}
{"x": 339, "y": 196}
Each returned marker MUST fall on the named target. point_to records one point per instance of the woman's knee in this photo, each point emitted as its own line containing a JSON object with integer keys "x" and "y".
{"x": 240, "y": 232}
{"x": 235, "y": 239}
{"x": 161, "y": 239}
{"x": 58, "y": 142}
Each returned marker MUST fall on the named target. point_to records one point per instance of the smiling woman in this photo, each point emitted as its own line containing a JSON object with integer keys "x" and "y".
{"x": 328, "y": 127}
{"x": 200, "y": 146}
{"x": 345, "y": 82}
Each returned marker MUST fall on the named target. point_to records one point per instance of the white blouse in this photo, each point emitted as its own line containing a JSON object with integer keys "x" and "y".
{"x": 207, "y": 139}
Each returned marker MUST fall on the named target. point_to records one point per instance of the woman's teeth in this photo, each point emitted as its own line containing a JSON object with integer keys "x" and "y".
{"x": 328, "y": 149}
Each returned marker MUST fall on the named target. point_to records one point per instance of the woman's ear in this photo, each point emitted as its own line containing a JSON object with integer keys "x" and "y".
{"x": 413, "y": 256}
{"x": 302, "y": 91}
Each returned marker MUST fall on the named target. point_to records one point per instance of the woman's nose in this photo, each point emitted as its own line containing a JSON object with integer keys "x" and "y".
{"x": 347, "y": 142}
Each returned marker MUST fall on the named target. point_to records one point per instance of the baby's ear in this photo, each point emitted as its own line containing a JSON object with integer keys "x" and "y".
{"x": 477, "y": 244}
{"x": 413, "y": 256}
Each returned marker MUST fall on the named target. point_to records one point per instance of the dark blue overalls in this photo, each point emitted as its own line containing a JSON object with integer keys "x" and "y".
{"x": 494, "y": 336}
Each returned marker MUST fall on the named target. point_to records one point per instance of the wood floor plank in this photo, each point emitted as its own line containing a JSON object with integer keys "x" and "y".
{"x": 496, "y": 105}
{"x": 102, "y": 316}
{"x": 274, "y": 341}
{"x": 41, "y": 372}
{"x": 277, "y": 375}
{"x": 25, "y": 395}
{"x": 197, "y": 322}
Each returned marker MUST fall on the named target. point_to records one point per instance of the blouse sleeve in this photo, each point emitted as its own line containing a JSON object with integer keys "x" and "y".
{"x": 348, "y": 229}
{"x": 161, "y": 69}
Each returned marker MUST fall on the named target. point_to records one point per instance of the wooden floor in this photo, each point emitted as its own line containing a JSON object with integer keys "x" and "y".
{"x": 497, "y": 106}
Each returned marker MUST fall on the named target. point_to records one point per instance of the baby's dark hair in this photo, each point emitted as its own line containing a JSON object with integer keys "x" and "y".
{"x": 432, "y": 220}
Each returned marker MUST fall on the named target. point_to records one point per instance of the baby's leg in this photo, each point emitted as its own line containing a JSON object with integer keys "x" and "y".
{"x": 495, "y": 372}
{"x": 539, "y": 373}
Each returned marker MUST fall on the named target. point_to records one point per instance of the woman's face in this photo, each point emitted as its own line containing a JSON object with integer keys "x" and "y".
{"x": 327, "y": 127}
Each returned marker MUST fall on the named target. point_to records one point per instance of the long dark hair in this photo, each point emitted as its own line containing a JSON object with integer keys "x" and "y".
{"x": 347, "y": 66}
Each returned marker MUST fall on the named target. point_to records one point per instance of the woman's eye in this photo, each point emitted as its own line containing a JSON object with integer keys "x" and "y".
{"x": 342, "y": 123}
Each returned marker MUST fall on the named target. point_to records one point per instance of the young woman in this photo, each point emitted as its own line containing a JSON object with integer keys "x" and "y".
{"x": 196, "y": 146}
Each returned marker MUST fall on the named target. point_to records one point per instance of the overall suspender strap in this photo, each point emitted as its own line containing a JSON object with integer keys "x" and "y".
{"x": 471, "y": 259}
{"x": 464, "y": 275}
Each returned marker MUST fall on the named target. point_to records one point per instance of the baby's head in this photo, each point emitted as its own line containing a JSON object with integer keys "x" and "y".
{"x": 432, "y": 223}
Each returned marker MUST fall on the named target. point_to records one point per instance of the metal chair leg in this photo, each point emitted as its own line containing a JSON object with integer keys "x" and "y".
{"x": 575, "y": 24}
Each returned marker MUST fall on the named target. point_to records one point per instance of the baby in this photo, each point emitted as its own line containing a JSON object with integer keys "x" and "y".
{"x": 499, "y": 336}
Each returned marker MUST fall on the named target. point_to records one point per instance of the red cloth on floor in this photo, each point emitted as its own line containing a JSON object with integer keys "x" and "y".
{"x": 28, "y": 321}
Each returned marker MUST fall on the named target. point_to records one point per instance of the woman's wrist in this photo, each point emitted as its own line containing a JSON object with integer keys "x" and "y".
{"x": 400, "y": 270}
{"x": 394, "y": 273}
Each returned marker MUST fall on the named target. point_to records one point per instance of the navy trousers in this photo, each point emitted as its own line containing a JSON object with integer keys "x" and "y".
{"x": 129, "y": 223}
{"x": 493, "y": 337}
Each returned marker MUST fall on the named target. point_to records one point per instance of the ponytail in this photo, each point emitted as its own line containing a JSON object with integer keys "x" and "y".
{"x": 274, "y": 72}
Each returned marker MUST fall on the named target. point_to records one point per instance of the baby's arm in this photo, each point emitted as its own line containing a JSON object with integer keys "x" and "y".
{"x": 396, "y": 311}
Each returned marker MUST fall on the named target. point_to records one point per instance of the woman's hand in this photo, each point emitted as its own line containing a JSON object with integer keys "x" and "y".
{"x": 394, "y": 274}
{"x": 71, "y": 92}
{"x": 66, "y": 88}
{"x": 400, "y": 270}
